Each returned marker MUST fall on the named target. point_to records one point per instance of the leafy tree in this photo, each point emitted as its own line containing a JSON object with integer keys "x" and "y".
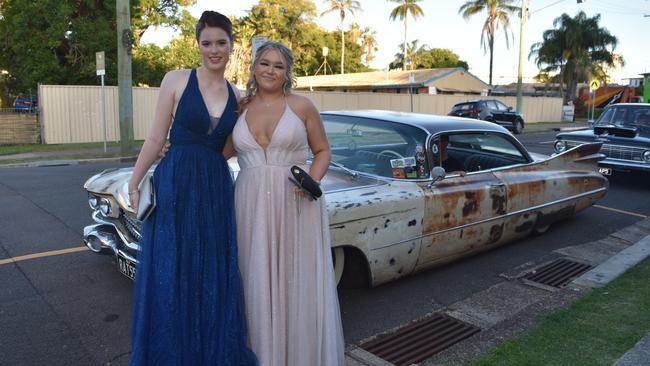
{"x": 150, "y": 62}
{"x": 292, "y": 22}
{"x": 155, "y": 13}
{"x": 55, "y": 41}
{"x": 440, "y": 57}
{"x": 402, "y": 12}
{"x": 498, "y": 14}
{"x": 424, "y": 57}
{"x": 341, "y": 6}
{"x": 577, "y": 48}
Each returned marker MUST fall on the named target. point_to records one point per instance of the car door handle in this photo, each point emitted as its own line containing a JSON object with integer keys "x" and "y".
{"x": 498, "y": 187}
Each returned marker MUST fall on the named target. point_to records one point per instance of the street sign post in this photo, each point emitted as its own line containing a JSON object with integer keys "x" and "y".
{"x": 101, "y": 71}
{"x": 594, "y": 84}
{"x": 411, "y": 81}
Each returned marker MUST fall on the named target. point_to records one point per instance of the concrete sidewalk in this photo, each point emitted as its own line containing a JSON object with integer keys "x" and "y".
{"x": 507, "y": 310}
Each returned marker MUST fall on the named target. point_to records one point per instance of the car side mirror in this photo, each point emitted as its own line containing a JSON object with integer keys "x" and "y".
{"x": 509, "y": 109}
{"x": 437, "y": 173}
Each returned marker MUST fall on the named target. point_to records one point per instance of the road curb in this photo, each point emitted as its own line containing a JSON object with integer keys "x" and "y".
{"x": 616, "y": 265}
{"x": 51, "y": 163}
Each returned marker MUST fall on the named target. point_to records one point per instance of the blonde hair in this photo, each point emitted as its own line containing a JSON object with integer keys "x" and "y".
{"x": 251, "y": 85}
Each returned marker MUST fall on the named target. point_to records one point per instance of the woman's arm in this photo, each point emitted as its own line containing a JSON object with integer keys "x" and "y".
{"x": 317, "y": 139}
{"x": 156, "y": 136}
{"x": 229, "y": 149}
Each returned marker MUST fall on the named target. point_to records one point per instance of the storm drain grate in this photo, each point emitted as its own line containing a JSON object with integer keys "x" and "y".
{"x": 558, "y": 273}
{"x": 420, "y": 340}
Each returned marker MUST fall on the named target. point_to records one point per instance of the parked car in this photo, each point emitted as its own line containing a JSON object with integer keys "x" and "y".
{"x": 393, "y": 210}
{"x": 490, "y": 110}
{"x": 26, "y": 103}
{"x": 624, "y": 131}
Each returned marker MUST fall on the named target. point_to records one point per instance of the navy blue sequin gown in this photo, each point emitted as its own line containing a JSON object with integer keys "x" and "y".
{"x": 188, "y": 304}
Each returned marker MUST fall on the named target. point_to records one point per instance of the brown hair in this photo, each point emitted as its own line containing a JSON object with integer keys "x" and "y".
{"x": 213, "y": 19}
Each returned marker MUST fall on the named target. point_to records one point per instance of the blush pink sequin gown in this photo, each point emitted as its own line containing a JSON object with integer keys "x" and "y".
{"x": 284, "y": 253}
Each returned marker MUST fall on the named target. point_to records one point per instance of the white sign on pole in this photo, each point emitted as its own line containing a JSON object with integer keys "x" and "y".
{"x": 256, "y": 42}
{"x": 101, "y": 63}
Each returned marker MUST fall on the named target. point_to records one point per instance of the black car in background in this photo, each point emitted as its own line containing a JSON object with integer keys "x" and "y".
{"x": 624, "y": 130}
{"x": 490, "y": 110}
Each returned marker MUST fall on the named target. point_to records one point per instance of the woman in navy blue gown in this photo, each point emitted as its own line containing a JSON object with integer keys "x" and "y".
{"x": 188, "y": 303}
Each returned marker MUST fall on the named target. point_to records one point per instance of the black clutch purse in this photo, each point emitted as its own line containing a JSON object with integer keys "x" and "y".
{"x": 147, "y": 202}
{"x": 300, "y": 178}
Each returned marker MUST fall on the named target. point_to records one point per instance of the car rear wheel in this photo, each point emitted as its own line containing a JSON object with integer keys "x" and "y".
{"x": 518, "y": 127}
{"x": 539, "y": 230}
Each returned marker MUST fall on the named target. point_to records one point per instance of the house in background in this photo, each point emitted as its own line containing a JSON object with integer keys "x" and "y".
{"x": 455, "y": 80}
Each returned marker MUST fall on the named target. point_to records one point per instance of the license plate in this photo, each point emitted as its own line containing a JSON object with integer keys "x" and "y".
{"x": 126, "y": 267}
{"x": 605, "y": 171}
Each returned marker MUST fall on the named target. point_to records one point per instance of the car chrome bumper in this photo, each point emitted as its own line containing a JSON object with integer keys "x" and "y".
{"x": 104, "y": 238}
{"x": 624, "y": 165}
{"x": 100, "y": 239}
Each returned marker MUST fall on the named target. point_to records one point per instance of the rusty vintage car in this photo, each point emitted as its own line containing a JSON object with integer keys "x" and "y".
{"x": 393, "y": 210}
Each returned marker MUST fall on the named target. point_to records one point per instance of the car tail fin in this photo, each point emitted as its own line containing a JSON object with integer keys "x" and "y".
{"x": 585, "y": 156}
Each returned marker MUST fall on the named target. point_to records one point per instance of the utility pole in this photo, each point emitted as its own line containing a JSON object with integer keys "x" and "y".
{"x": 524, "y": 15}
{"x": 124, "y": 93}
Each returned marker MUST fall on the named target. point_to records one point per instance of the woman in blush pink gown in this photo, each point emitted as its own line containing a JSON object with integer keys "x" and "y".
{"x": 283, "y": 236}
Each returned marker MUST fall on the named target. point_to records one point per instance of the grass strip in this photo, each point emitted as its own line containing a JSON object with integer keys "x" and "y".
{"x": 596, "y": 329}
{"x": 34, "y": 148}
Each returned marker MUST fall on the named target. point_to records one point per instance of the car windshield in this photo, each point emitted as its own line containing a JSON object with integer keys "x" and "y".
{"x": 627, "y": 116}
{"x": 387, "y": 149}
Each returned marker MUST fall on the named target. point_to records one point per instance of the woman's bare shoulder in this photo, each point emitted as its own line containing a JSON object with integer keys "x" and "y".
{"x": 175, "y": 77}
{"x": 301, "y": 105}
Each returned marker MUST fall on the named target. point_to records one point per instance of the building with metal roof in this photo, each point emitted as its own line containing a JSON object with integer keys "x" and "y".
{"x": 455, "y": 80}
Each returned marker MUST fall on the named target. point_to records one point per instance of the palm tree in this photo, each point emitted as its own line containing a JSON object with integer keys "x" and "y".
{"x": 498, "y": 12}
{"x": 402, "y": 11}
{"x": 341, "y": 6}
{"x": 369, "y": 44}
{"x": 414, "y": 52}
{"x": 578, "y": 49}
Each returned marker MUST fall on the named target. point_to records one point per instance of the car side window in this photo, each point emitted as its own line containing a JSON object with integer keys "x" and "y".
{"x": 490, "y": 104}
{"x": 484, "y": 151}
{"x": 500, "y": 106}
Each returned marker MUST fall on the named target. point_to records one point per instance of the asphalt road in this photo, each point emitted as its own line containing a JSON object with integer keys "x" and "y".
{"x": 75, "y": 308}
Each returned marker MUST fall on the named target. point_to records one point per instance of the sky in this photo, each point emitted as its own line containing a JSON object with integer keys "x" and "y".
{"x": 443, "y": 27}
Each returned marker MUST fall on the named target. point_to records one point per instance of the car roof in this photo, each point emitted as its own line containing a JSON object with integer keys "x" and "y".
{"x": 430, "y": 122}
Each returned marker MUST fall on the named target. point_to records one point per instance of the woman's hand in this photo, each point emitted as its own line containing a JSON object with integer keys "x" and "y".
{"x": 165, "y": 149}
{"x": 134, "y": 200}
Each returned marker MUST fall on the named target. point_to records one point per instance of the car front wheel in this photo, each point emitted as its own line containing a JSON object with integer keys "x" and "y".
{"x": 518, "y": 127}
